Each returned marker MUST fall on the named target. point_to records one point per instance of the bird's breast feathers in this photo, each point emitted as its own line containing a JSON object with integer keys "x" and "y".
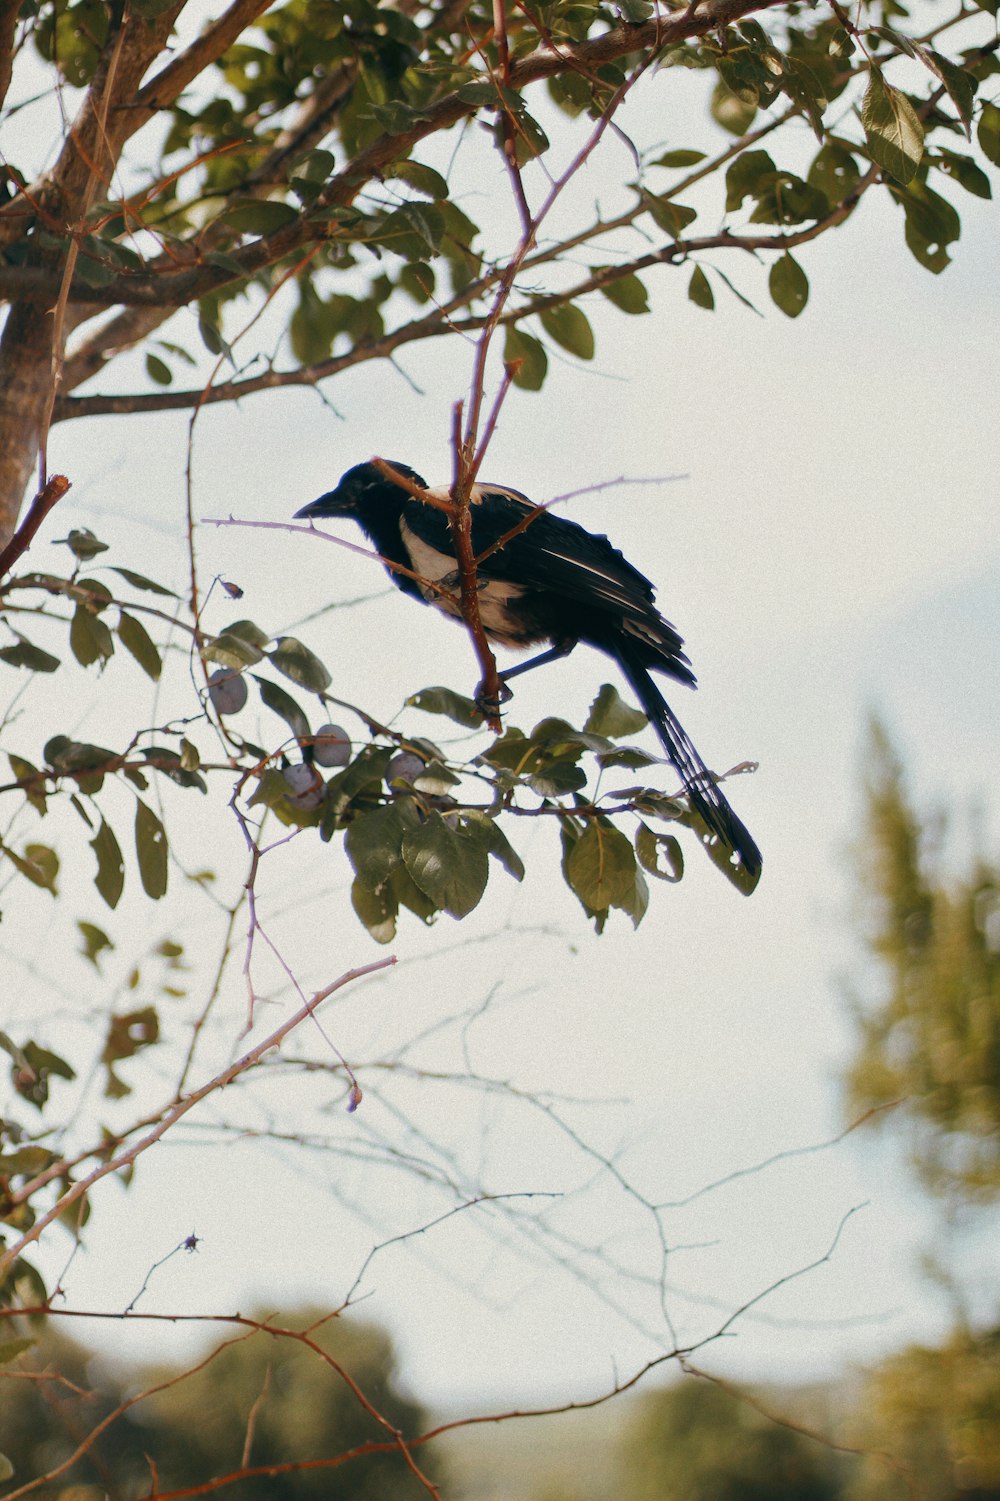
{"x": 495, "y": 595}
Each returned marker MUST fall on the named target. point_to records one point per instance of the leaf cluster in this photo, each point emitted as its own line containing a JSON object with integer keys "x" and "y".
{"x": 932, "y": 1037}
{"x": 301, "y": 156}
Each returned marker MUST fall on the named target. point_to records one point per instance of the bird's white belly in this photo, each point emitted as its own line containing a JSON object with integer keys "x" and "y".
{"x": 439, "y": 568}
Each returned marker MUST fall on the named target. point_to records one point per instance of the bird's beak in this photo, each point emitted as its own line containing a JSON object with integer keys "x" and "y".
{"x": 333, "y": 503}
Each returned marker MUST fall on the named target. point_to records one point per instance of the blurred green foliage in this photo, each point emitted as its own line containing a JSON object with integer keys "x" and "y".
{"x": 929, "y": 1035}
{"x": 265, "y": 1400}
{"x": 695, "y": 1442}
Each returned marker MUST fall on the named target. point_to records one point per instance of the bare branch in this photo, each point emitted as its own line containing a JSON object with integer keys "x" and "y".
{"x": 50, "y": 494}
{"x": 125, "y": 1158}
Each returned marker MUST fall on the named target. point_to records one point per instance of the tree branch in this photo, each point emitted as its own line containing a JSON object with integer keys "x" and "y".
{"x": 441, "y": 321}
{"x": 170, "y": 82}
{"x": 170, "y": 1117}
{"x": 50, "y": 494}
{"x": 164, "y": 283}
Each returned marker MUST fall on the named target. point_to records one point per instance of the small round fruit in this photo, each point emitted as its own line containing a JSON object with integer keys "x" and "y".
{"x": 332, "y": 746}
{"x": 403, "y": 767}
{"x": 305, "y": 788}
{"x": 227, "y": 690}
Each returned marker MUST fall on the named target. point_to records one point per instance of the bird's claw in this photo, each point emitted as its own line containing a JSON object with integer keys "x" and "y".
{"x": 489, "y": 704}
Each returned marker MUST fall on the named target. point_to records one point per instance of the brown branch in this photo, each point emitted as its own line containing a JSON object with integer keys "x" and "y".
{"x": 162, "y": 90}
{"x": 441, "y": 322}
{"x": 73, "y": 250}
{"x": 460, "y": 522}
{"x": 9, "y": 12}
{"x": 126, "y": 329}
{"x": 49, "y": 495}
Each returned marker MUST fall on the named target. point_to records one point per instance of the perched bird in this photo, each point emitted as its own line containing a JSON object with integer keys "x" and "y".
{"x": 553, "y": 582}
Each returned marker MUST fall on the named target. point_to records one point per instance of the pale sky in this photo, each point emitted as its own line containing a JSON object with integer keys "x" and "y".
{"x": 830, "y": 545}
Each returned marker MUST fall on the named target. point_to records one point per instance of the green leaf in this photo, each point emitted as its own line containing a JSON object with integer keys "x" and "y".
{"x": 137, "y": 641}
{"x": 610, "y": 715}
{"x": 151, "y": 849}
{"x": 568, "y": 326}
{"x": 259, "y": 216}
{"x": 414, "y": 231}
{"x": 10, "y": 1350}
{"x": 424, "y": 179}
{"x": 436, "y": 779}
{"x": 294, "y": 659}
{"x": 960, "y": 86}
{"x": 988, "y": 132}
{"x": 139, "y": 581}
{"x": 556, "y": 777}
{"x": 650, "y": 847}
{"x": 601, "y": 865}
{"x": 894, "y": 133}
{"x": 82, "y": 544}
{"x": 745, "y": 175}
{"x": 170, "y": 764}
{"x": 98, "y": 595}
{"x": 932, "y": 224}
{"x": 374, "y": 841}
{"x": 158, "y": 370}
{"x": 24, "y": 771}
{"x": 635, "y": 902}
{"x": 450, "y": 867}
{"x": 26, "y": 654}
{"x": 110, "y": 878}
{"x": 735, "y": 115}
{"x": 454, "y": 706}
{"x": 679, "y": 158}
{"x": 417, "y": 280}
{"x": 6, "y": 1468}
{"x": 498, "y": 845}
{"x": 284, "y": 706}
{"x": 95, "y": 940}
{"x": 45, "y": 862}
{"x": 834, "y": 172}
{"x": 700, "y": 291}
{"x": 376, "y": 909}
{"x": 965, "y": 171}
{"x": 529, "y": 357}
{"x": 408, "y": 894}
{"x": 211, "y": 334}
{"x": 530, "y": 139}
{"x": 669, "y": 216}
{"x": 89, "y": 638}
{"x": 39, "y": 864}
{"x": 128, "y": 1034}
{"x": 240, "y": 645}
{"x": 788, "y": 285}
{"x": 315, "y": 166}
{"x": 627, "y": 293}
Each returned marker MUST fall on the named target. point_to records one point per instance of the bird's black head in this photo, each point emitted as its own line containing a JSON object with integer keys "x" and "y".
{"x": 361, "y": 488}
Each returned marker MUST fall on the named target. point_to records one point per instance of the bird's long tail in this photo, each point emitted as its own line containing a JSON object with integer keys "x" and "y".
{"x": 702, "y": 791}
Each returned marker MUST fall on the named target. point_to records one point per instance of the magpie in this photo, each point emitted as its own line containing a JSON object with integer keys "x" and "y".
{"x": 553, "y": 581}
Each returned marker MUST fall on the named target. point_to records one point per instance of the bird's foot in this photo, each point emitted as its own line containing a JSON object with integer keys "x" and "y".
{"x": 489, "y": 704}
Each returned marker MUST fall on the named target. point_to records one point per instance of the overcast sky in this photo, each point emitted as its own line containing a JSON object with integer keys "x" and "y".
{"x": 828, "y": 545}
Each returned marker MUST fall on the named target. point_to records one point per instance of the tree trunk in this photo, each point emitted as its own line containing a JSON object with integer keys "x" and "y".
{"x": 25, "y": 377}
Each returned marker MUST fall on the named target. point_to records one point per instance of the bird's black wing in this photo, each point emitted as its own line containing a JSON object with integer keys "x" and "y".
{"x": 554, "y": 556}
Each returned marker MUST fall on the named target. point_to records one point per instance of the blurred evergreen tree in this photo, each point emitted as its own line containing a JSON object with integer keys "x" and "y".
{"x": 695, "y": 1442}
